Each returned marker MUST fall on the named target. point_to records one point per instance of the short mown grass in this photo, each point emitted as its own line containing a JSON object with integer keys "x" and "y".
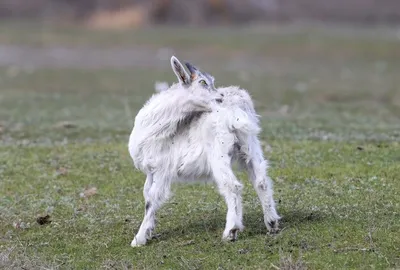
{"x": 331, "y": 131}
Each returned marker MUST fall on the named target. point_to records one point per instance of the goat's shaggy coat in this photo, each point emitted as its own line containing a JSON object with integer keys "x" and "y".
{"x": 183, "y": 134}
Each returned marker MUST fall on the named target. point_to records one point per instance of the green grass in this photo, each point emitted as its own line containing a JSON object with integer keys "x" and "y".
{"x": 330, "y": 107}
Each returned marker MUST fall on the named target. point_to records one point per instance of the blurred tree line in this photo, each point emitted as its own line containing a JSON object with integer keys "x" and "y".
{"x": 201, "y": 12}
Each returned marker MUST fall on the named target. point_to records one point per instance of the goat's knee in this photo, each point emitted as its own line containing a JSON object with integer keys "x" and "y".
{"x": 263, "y": 186}
{"x": 234, "y": 187}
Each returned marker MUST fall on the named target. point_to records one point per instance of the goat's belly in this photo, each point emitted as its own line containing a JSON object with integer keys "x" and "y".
{"x": 193, "y": 164}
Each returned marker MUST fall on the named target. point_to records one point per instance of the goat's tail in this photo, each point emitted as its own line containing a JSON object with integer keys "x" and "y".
{"x": 242, "y": 122}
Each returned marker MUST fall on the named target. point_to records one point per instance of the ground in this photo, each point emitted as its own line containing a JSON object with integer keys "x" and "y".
{"x": 329, "y": 100}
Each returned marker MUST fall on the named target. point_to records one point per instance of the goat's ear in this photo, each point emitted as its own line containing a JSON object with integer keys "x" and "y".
{"x": 180, "y": 71}
{"x": 194, "y": 71}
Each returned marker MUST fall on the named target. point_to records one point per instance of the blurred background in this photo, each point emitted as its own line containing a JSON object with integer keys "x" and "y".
{"x": 316, "y": 68}
{"x": 134, "y": 13}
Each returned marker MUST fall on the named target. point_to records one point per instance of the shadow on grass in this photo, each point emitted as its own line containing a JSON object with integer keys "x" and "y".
{"x": 254, "y": 220}
{"x": 214, "y": 223}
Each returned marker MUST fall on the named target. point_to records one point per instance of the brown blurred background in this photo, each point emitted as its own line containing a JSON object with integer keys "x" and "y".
{"x": 134, "y": 13}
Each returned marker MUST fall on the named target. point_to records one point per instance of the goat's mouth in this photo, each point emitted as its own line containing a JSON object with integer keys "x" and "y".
{"x": 219, "y": 100}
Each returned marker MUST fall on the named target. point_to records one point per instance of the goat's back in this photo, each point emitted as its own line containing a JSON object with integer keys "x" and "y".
{"x": 189, "y": 151}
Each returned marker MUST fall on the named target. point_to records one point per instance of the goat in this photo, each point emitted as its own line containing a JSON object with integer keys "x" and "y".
{"x": 193, "y": 131}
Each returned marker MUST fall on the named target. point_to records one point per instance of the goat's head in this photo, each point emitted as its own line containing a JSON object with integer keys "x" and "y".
{"x": 202, "y": 79}
{"x": 196, "y": 78}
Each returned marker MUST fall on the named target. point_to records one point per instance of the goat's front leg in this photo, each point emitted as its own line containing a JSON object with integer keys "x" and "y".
{"x": 156, "y": 190}
{"x": 231, "y": 189}
{"x": 257, "y": 171}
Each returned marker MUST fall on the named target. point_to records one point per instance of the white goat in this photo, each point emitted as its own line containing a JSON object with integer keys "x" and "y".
{"x": 193, "y": 131}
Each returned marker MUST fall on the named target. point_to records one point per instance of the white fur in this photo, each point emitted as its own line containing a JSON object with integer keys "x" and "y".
{"x": 183, "y": 134}
{"x": 161, "y": 86}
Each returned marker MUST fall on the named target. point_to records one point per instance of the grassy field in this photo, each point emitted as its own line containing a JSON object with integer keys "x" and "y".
{"x": 329, "y": 98}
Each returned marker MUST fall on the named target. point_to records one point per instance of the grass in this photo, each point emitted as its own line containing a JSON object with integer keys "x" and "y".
{"x": 330, "y": 112}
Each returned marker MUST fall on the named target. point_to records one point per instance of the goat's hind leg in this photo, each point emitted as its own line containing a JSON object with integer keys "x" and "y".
{"x": 155, "y": 194}
{"x": 231, "y": 189}
{"x": 262, "y": 183}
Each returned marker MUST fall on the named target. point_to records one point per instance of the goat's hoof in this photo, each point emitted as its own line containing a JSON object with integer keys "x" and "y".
{"x": 138, "y": 242}
{"x": 230, "y": 235}
{"x": 273, "y": 226}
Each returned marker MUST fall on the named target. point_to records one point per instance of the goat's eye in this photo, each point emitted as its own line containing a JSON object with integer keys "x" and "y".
{"x": 203, "y": 83}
